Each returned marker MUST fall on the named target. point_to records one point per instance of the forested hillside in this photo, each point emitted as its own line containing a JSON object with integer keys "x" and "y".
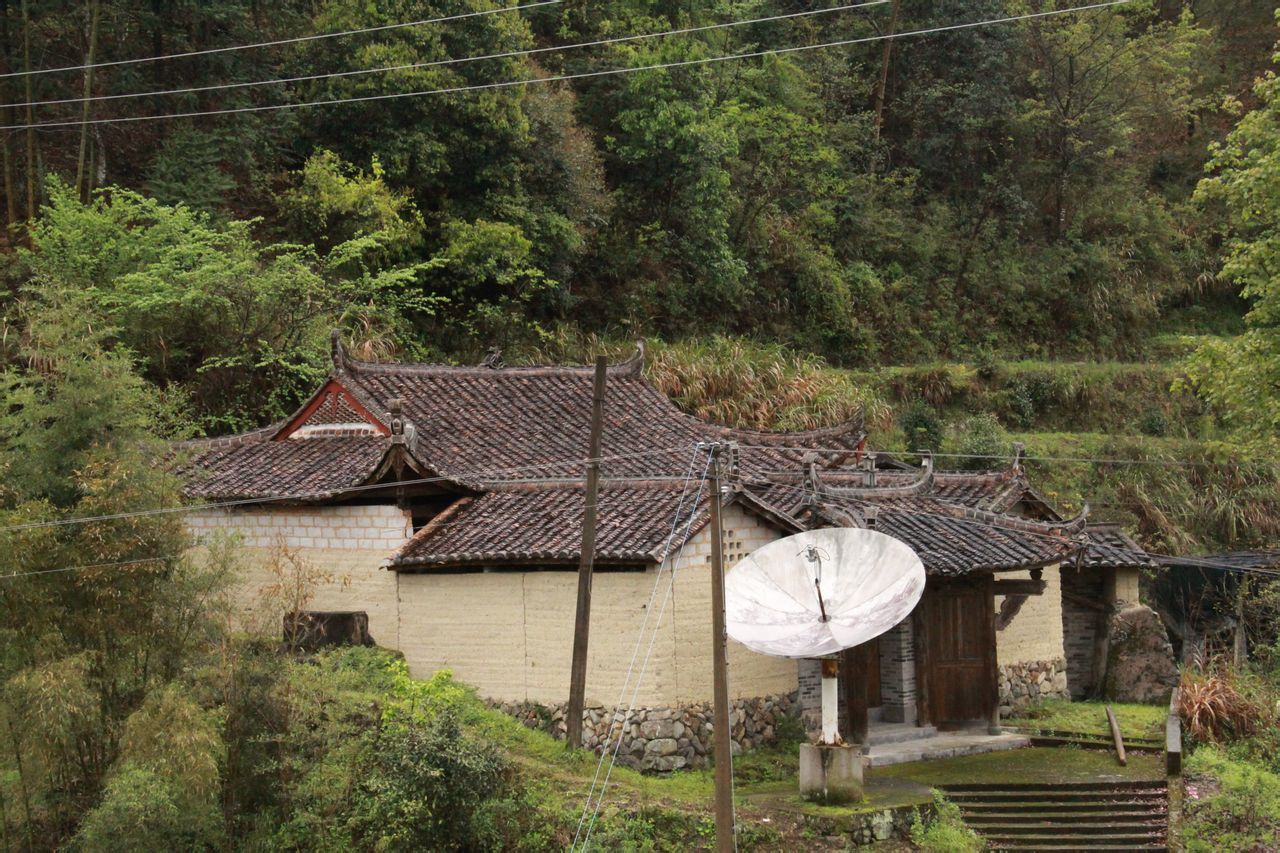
{"x": 569, "y": 176}
{"x": 1023, "y": 192}
{"x": 1022, "y": 188}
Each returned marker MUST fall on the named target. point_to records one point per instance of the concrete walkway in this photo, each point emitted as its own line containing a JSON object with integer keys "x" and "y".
{"x": 942, "y": 745}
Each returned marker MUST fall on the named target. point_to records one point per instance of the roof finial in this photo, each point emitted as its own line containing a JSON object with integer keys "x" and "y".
{"x": 635, "y": 364}
{"x": 395, "y": 408}
{"x": 809, "y": 481}
{"x": 337, "y": 351}
{"x": 1019, "y": 456}
{"x": 734, "y": 467}
{"x": 493, "y": 360}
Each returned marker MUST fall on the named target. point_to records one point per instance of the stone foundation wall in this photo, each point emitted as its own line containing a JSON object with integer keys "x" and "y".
{"x": 868, "y": 828}
{"x": 663, "y": 739}
{"x": 1024, "y": 683}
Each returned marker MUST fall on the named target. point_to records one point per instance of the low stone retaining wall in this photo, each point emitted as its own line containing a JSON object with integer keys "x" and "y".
{"x": 663, "y": 739}
{"x": 887, "y": 824}
{"x": 1021, "y": 684}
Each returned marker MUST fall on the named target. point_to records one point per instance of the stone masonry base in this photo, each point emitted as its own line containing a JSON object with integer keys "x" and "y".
{"x": 1022, "y": 684}
{"x": 663, "y": 739}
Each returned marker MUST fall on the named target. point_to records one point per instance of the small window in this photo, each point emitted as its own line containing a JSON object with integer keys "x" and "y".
{"x": 310, "y": 630}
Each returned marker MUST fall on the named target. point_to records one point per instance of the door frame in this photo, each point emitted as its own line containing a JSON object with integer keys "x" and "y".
{"x": 927, "y": 673}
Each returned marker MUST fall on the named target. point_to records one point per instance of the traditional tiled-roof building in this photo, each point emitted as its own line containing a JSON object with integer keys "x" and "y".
{"x": 446, "y": 503}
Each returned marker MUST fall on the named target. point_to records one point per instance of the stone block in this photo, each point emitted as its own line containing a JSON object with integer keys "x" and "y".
{"x": 831, "y": 774}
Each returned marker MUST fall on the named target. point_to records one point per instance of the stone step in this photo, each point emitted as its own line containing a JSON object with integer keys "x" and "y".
{"x": 1077, "y": 811}
{"x": 1152, "y": 829}
{"x": 993, "y": 797}
{"x": 1087, "y": 816}
{"x": 1101, "y": 848}
{"x": 897, "y": 733}
{"x": 1134, "y": 785}
{"x": 943, "y": 745}
{"x": 1076, "y": 842}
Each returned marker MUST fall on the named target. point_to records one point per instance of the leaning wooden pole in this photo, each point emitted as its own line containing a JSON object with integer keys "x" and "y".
{"x": 720, "y": 669}
{"x": 878, "y": 110}
{"x": 582, "y": 619}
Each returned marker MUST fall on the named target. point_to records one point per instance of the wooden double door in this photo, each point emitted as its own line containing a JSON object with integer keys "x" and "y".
{"x": 956, "y": 657}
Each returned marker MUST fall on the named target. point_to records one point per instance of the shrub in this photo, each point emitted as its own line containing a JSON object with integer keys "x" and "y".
{"x": 423, "y": 786}
{"x": 140, "y": 811}
{"x": 1154, "y": 423}
{"x": 945, "y": 832}
{"x": 987, "y": 364}
{"x": 921, "y": 427}
{"x": 982, "y": 441}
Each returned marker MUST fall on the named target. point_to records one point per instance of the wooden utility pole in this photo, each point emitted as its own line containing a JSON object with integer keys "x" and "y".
{"x": 720, "y": 669}
{"x": 885, "y": 53}
{"x": 582, "y": 620}
{"x": 1240, "y": 646}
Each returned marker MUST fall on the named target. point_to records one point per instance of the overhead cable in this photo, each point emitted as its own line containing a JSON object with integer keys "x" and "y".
{"x": 585, "y": 75}
{"x": 479, "y": 476}
{"x": 437, "y": 63}
{"x": 296, "y": 40}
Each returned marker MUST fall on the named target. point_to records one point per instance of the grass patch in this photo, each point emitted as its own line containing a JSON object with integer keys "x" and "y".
{"x": 1229, "y": 804}
{"x": 1090, "y": 718}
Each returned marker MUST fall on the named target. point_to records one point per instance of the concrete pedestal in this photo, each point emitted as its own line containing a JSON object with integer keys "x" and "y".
{"x": 831, "y": 774}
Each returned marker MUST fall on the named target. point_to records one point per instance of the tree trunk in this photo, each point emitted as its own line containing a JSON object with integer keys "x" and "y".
{"x": 884, "y": 68}
{"x": 84, "y": 179}
{"x": 6, "y": 143}
{"x": 31, "y": 131}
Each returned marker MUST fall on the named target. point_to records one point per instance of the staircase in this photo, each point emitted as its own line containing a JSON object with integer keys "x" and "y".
{"x": 1091, "y": 816}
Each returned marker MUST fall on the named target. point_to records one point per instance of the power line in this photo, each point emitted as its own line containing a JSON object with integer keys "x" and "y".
{"x": 445, "y": 62}
{"x": 1004, "y": 457}
{"x": 91, "y": 566}
{"x": 478, "y": 476}
{"x": 505, "y": 84}
{"x": 279, "y": 42}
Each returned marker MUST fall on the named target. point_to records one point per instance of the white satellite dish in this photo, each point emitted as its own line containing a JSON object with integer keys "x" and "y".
{"x": 816, "y": 593}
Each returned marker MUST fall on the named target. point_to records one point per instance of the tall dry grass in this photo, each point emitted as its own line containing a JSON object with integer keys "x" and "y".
{"x": 1215, "y": 707}
{"x": 737, "y": 382}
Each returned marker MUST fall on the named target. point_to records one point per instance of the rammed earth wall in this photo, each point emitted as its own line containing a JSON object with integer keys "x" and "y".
{"x": 505, "y": 631}
{"x": 663, "y": 739}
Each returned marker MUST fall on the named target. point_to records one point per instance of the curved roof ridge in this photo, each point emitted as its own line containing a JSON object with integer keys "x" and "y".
{"x": 235, "y": 440}
{"x": 1068, "y": 527}
{"x": 922, "y": 485}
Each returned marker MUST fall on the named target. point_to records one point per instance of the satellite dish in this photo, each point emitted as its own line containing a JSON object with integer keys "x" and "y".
{"x": 816, "y": 593}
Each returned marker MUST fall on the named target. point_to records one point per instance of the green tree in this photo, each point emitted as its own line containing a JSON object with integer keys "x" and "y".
{"x": 1240, "y": 376}
{"x": 97, "y": 614}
